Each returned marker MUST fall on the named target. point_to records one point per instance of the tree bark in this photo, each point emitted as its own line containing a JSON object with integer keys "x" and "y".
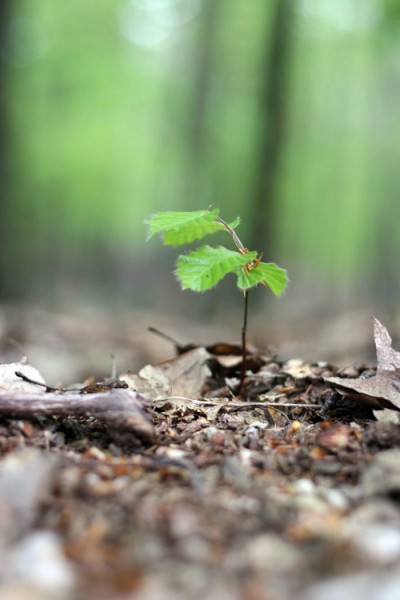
{"x": 274, "y": 105}
{"x": 201, "y": 84}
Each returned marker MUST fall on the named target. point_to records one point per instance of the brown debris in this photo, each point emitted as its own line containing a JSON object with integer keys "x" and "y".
{"x": 178, "y": 488}
{"x": 381, "y": 390}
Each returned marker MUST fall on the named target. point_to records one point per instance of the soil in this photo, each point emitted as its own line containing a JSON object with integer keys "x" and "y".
{"x": 290, "y": 490}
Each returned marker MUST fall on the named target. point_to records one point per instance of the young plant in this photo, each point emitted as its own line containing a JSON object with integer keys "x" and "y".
{"x": 203, "y": 268}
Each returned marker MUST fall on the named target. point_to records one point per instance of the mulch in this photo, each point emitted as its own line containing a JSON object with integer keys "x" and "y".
{"x": 291, "y": 490}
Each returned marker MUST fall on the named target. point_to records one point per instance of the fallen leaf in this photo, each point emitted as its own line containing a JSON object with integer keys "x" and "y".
{"x": 388, "y": 358}
{"x": 9, "y": 381}
{"x": 381, "y": 391}
{"x": 183, "y": 376}
{"x": 298, "y": 369}
{"x": 182, "y": 406}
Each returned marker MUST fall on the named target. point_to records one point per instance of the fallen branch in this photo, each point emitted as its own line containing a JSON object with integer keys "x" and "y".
{"x": 119, "y": 409}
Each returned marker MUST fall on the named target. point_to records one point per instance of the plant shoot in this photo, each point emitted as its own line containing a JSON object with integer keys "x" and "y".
{"x": 204, "y": 267}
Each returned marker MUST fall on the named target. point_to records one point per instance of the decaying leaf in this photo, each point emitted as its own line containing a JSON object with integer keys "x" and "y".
{"x": 182, "y": 406}
{"x": 381, "y": 391}
{"x": 388, "y": 359}
{"x": 9, "y": 381}
{"x": 183, "y": 376}
{"x": 297, "y": 368}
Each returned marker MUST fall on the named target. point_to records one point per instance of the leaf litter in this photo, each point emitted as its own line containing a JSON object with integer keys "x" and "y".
{"x": 382, "y": 389}
{"x": 167, "y": 484}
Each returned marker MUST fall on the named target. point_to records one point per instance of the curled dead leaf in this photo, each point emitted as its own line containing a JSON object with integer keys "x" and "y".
{"x": 182, "y": 376}
{"x": 381, "y": 391}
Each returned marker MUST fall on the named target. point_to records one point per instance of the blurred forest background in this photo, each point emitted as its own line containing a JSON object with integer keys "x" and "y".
{"x": 284, "y": 112}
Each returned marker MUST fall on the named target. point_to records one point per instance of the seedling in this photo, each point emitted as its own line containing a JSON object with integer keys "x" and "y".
{"x": 203, "y": 268}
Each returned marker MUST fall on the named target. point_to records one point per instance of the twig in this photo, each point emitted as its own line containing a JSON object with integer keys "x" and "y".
{"x": 119, "y": 409}
{"x": 277, "y": 405}
{"x": 163, "y": 335}
{"x": 49, "y": 388}
{"x": 242, "y": 404}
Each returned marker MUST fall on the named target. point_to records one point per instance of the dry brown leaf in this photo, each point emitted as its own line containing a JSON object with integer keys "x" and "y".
{"x": 180, "y": 405}
{"x": 381, "y": 391}
{"x": 182, "y": 376}
{"x": 388, "y": 358}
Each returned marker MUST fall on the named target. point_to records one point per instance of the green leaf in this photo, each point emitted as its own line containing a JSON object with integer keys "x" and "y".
{"x": 183, "y": 227}
{"x": 180, "y": 228}
{"x": 267, "y": 273}
{"x": 202, "y": 269}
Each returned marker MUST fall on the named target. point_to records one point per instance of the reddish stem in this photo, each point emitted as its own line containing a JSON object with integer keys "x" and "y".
{"x": 244, "y": 331}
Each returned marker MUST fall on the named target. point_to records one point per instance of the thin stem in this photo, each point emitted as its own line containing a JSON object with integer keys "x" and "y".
{"x": 244, "y": 331}
{"x": 165, "y": 336}
{"x": 242, "y": 250}
{"x": 234, "y": 235}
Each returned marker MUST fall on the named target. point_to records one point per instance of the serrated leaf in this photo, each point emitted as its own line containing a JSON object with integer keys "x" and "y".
{"x": 268, "y": 273}
{"x": 183, "y": 227}
{"x": 202, "y": 269}
{"x": 170, "y": 221}
{"x": 180, "y": 228}
{"x": 190, "y": 234}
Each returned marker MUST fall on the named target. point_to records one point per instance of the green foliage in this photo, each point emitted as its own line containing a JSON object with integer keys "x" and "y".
{"x": 180, "y": 228}
{"x": 205, "y": 267}
{"x": 265, "y": 273}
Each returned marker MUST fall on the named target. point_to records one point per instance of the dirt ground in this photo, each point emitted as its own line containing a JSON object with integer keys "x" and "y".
{"x": 290, "y": 490}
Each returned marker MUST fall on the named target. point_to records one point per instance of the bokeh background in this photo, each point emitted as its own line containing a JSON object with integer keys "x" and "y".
{"x": 284, "y": 112}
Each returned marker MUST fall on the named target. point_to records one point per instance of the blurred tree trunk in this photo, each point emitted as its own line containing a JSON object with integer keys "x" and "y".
{"x": 202, "y": 79}
{"x": 274, "y": 104}
{"x": 5, "y": 10}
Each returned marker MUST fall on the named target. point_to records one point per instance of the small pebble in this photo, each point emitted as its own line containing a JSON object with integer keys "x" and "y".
{"x": 335, "y": 498}
{"x": 39, "y": 560}
{"x": 379, "y": 542}
{"x": 304, "y": 486}
{"x": 363, "y": 586}
{"x": 324, "y": 467}
{"x": 382, "y": 475}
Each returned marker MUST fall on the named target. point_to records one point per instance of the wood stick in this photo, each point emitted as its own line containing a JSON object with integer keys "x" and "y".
{"x": 119, "y": 409}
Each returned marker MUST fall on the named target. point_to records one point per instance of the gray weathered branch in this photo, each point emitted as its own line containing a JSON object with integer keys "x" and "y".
{"x": 119, "y": 409}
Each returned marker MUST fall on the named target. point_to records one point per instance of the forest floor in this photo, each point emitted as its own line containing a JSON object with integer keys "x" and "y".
{"x": 290, "y": 490}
